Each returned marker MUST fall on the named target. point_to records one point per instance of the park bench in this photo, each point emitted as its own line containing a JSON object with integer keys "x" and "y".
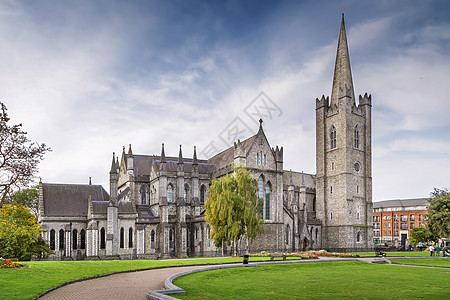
{"x": 277, "y": 255}
{"x": 379, "y": 252}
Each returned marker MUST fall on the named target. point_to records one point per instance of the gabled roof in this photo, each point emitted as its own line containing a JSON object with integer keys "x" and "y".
{"x": 204, "y": 167}
{"x": 70, "y": 199}
{"x": 226, "y": 157}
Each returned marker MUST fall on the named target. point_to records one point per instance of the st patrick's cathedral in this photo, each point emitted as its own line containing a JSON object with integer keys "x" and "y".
{"x": 155, "y": 203}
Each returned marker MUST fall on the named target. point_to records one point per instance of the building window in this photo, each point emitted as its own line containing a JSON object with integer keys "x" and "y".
{"x": 356, "y": 137}
{"x": 411, "y": 217}
{"x": 396, "y": 218}
{"x": 404, "y": 218}
{"x": 61, "y": 239}
{"x": 357, "y": 189}
{"x": 389, "y": 232}
{"x": 404, "y": 226}
{"x": 384, "y": 217}
{"x": 411, "y": 226}
{"x": 261, "y": 157}
{"x": 357, "y": 216}
{"x": 74, "y": 239}
{"x": 122, "y": 237}
{"x": 187, "y": 238}
{"x": 389, "y": 225}
{"x": 388, "y": 217}
{"x": 358, "y": 237}
{"x": 317, "y": 234}
{"x": 421, "y": 225}
{"x": 170, "y": 239}
{"x": 265, "y": 161}
{"x": 331, "y": 189}
{"x": 420, "y": 217}
{"x": 202, "y": 194}
{"x": 169, "y": 193}
{"x": 261, "y": 193}
{"x": 268, "y": 187}
{"x": 384, "y": 225}
{"x": 331, "y": 215}
{"x": 102, "y": 238}
{"x": 82, "y": 239}
{"x": 332, "y": 166}
{"x": 395, "y": 225}
{"x": 195, "y": 237}
{"x": 333, "y": 137}
{"x": 314, "y": 204}
{"x": 52, "y": 239}
{"x": 130, "y": 238}
{"x": 143, "y": 195}
{"x": 186, "y": 193}
{"x": 396, "y": 233}
{"x": 152, "y": 239}
{"x": 288, "y": 233}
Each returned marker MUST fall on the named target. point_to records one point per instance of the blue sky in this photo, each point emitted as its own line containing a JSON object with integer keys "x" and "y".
{"x": 88, "y": 77}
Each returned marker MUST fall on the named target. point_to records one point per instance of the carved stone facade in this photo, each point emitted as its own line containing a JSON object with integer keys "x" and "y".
{"x": 155, "y": 206}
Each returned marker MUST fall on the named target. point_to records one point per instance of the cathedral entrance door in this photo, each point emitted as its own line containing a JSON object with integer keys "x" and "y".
{"x": 305, "y": 241}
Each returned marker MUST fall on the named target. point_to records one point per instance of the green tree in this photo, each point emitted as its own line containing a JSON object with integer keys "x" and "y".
{"x": 232, "y": 209}
{"x": 439, "y": 213}
{"x": 20, "y": 233}
{"x": 19, "y": 157}
{"x": 420, "y": 234}
{"x": 26, "y": 197}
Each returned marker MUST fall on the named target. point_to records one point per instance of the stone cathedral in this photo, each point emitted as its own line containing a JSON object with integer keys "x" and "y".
{"x": 155, "y": 203}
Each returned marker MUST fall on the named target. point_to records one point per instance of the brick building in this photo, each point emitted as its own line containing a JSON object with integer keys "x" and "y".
{"x": 393, "y": 220}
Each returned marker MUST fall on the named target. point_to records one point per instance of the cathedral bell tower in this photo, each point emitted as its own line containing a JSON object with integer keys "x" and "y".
{"x": 344, "y": 160}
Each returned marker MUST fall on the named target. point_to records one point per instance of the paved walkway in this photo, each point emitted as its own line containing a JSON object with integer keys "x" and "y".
{"x": 132, "y": 285}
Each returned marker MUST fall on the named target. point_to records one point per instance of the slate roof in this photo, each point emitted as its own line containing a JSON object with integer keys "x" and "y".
{"x": 145, "y": 212}
{"x": 226, "y": 157}
{"x": 172, "y": 165}
{"x": 401, "y": 203}
{"x": 70, "y": 199}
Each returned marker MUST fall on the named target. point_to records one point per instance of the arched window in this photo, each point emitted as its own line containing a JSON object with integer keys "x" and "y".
{"x": 261, "y": 192}
{"x": 195, "y": 237}
{"x": 152, "y": 239}
{"x": 102, "y": 239}
{"x": 257, "y": 158}
{"x": 170, "y": 239}
{"x": 317, "y": 234}
{"x": 288, "y": 234}
{"x": 143, "y": 195}
{"x": 265, "y": 161}
{"x": 74, "y": 239}
{"x": 314, "y": 204}
{"x": 130, "y": 238}
{"x": 331, "y": 215}
{"x": 187, "y": 238}
{"x": 268, "y": 188}
{"x": 122, "y": 237}
{"x": 169, "y": 193}
{"x": 186, "y": 193}
{"x": 61, "y": 239}
{"x": 202, "y": 194}
{"x": 356, "y": 137}
{"x": 333, "y": 137}
{"x": 358, "y": 236}
{"x": 52, "y": 239}
{"x": 82, "y": 239}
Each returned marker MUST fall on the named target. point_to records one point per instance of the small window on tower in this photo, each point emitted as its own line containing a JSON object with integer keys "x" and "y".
{"x": 356, "y": 137}
{"x": 331, "y": 189}
{"x": 333, "y": 137}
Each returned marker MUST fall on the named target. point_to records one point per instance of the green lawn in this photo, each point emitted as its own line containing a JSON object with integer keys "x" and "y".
{"x": 432, "y": 261}
{"x": 28, "y": 283}
{"x": 324, "y": 280}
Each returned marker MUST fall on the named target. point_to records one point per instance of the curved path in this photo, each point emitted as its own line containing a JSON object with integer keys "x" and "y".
{"x": 135, "y": 285}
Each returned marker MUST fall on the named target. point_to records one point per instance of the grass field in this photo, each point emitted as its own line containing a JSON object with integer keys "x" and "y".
{"x": 324, "y": 280}
{"x": 432, "y": 261}
{"x": 396, "y": 254}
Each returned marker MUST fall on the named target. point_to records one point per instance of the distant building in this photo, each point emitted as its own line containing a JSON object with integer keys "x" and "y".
{"x": 393, "y": 220}
{"x": 155, "y": 205}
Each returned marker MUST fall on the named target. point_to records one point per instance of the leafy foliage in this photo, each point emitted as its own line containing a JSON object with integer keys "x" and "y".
{"x": 232, "y": 208}
{"x": 27, "y": 197}
{"x": 420, "y": 234}
{"x": 439, "y": 213}
{"x": 19, "y": 233}
{"x": 19, "y": 157}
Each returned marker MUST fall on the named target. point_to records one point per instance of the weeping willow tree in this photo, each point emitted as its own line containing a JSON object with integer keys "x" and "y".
{"x": 233, "y": 209}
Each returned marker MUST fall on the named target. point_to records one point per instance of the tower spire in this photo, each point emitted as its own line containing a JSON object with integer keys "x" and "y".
{"x": 180, "y": 157}
{"x": 163, "y": 155}
{"x": 113, "y": 166}
{"x": 342, "y": 80}
{"x": 194, "y": 159}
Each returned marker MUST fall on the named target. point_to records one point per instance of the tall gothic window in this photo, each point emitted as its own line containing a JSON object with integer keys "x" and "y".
{"x": 122, "y": 237}
{"x": 170, "y": 239}
{"x": 74, "y": 239}
{"x": 186, "y": 193}
{"x": 102, "y": 238}
{"x": 333, "y": 137}
{"x": 61, "y": 239}
{"x": 202, "y": 194}
{"x": 358, "y": 237}
{"x": 257, "y": 158}
{"x": 143, "y": 195}
{"x": 261, "y": 192}
{"x": 268, "y": 187}
{"x": 52, "y": 239}
{"x": 152, "y": 240}
{"x": 169, "y": 193}
{"x": 314, "y": 204}
{"x": 288, "y": 233}
{"x": 130, "y": 238}
{"x": 82, "y": 239}
{"x": 356, "y": 137}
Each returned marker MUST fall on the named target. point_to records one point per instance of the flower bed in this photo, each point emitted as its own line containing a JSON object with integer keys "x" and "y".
{"x": 6, "y": 264}
{"x": 308, "y": 254}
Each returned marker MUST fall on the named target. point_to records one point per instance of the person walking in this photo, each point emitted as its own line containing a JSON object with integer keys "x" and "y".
{"x": 431, "y": 250}
{"x": 437, "y": 250}
{"x": 443, "y": 251}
